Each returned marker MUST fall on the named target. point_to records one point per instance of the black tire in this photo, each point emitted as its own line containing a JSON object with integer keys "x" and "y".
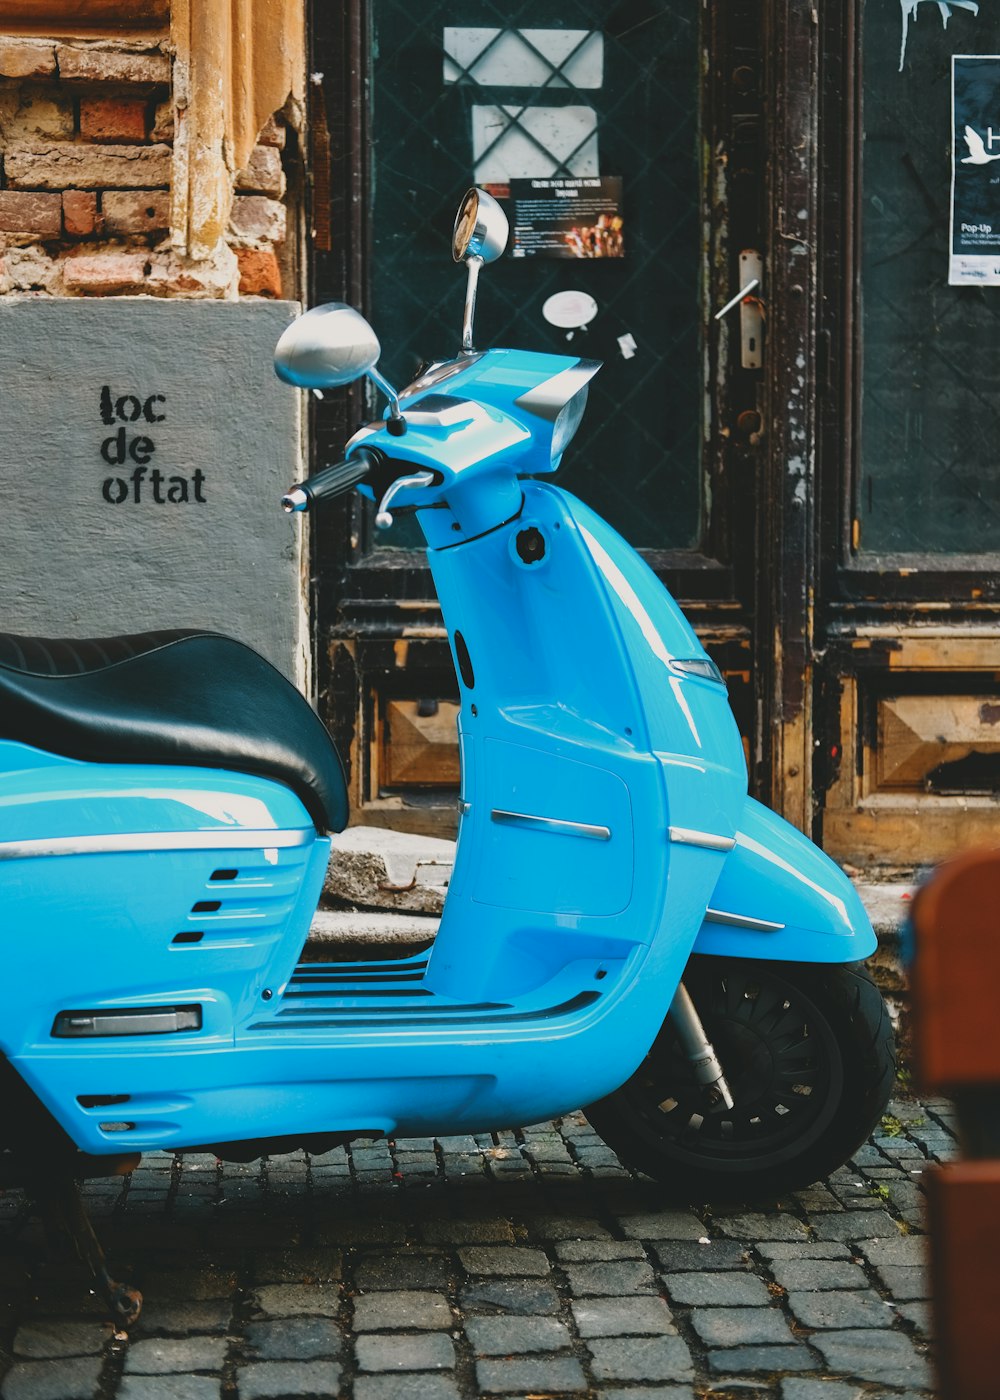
{"x": 809, "y": 1055}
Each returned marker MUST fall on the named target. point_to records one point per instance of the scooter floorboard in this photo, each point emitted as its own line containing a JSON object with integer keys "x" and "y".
{"x": 321, "y": 995}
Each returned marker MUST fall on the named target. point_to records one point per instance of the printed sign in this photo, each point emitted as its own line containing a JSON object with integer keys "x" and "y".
{"x": 975, "y": 178}
{"x": 568, "y": 218}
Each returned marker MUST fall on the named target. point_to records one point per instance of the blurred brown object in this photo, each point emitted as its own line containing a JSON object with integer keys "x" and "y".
{"x": 955, "y": 981}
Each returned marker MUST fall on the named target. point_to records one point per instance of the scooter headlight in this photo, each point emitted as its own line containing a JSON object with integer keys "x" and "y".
{"x": 554, "y": 407}
{"x": 567, "y": 422}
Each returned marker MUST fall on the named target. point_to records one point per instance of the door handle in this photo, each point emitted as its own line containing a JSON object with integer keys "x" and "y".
{"x": 751, "y": 310}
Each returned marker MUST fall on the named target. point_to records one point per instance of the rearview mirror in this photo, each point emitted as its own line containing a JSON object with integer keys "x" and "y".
{"x": 479, "y": 236}
{"x": 328, "y": 346}
{"x": 481, "y": 228}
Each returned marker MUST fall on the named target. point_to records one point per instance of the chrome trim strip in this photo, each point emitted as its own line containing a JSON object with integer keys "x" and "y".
{"x": 547, "y": 398}
{"x": 117, "y": 842}
{"x": 685, "y": 836}
{"x": 564, "y": 828}
{"x": 444, "y": 410}
{"x": 720, "y": 916}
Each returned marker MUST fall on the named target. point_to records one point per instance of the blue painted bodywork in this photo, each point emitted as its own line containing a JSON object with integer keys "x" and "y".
{"x": 562, "y": 940}
{"x": 777, "y": 875}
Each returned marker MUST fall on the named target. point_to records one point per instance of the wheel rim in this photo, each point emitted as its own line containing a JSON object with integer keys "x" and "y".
{"x": 781, "y": 1060}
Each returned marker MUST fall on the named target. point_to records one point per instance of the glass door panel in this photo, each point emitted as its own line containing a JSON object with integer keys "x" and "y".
{"x": 929, "y": 472}
{"x": 488, "y": 94}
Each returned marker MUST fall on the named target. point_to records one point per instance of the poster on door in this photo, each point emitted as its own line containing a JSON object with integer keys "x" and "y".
{"x": 975, "y": 171}
{"x": 568, "y": 218}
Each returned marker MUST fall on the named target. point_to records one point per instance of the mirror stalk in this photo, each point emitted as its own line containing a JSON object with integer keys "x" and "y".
{"x": 397, "y": 423}
{"x": 474, "y": 264}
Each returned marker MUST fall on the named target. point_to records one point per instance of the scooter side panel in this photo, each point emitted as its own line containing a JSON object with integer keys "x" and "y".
{"x": 146, "y": 886}
{"x": 45, "y": 796}
{"x": 775, "y": 875}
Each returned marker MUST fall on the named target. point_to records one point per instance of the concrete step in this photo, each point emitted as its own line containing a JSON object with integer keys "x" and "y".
{"x": 374, "y": 868}
{"x": 887, "y": 902}
{"x": 375, "y": 930}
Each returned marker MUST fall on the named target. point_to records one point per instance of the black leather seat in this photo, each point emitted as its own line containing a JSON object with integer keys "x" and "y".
{"x": 182, "y": 697}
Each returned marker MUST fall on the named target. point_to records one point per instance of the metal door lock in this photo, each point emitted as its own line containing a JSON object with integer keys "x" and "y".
{"x": 751, "y": 309}
{"x": 751, "y": 425}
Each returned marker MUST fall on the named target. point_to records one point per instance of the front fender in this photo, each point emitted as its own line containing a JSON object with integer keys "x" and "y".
{"x": 780, "y": 898}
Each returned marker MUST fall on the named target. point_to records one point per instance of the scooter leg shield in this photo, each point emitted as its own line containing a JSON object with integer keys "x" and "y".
{"x": 780, "y": 898}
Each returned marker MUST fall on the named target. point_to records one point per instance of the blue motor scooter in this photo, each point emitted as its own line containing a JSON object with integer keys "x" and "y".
{"x": 165, "y": 807}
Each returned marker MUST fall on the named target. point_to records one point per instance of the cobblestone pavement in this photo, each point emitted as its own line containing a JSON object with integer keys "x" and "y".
{"x": 527, "y": 1263}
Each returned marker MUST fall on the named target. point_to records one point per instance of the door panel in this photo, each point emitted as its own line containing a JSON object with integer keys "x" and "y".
{"x": 485, "y": 93}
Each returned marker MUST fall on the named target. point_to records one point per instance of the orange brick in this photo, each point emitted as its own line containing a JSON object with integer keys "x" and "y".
{"x": 93, "y": 64}
{"x": 259, "y": 273}
{"x": 113, "y": 119}
{"x": 25, "y": 58}
{"x": 40, "y": 214}
{"x": 79, "y": 212}
{"x": 105, "y": 274}
{"x": 135, "y": 211}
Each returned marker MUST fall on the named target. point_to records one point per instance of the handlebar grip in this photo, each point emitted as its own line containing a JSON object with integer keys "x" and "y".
{"x": 335, "y": 480}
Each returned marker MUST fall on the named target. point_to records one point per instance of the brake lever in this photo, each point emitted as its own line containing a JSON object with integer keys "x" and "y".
{"x": 383, "y": 517}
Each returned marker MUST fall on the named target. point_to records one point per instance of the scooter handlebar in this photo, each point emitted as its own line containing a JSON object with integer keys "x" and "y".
{"x": 335, "y": 480}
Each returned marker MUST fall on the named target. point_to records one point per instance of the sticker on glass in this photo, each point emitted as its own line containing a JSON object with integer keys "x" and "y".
{"x": 570, "y": 310}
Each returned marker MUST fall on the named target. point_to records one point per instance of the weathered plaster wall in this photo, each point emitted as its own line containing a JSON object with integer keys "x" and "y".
{"x": 191, "y": 396}
{"x": 145, "y": 214}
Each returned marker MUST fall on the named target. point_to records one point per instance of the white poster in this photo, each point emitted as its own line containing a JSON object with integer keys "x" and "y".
{"x": 975, "y": 171}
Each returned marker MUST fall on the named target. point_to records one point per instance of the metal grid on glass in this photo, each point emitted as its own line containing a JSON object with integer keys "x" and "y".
{"x": 538, "y": 72}
{"x": 929, "y": 472}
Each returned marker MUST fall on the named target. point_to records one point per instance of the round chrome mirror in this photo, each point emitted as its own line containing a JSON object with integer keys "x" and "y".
{"x": 481, "y": 228}
{"x": 328, "y": 346}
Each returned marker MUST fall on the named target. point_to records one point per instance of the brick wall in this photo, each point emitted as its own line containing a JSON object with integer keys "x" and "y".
{"x": 86, "y": 141}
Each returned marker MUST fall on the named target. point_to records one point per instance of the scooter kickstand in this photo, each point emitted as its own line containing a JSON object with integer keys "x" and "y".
{"x": 699, "y": 1049}
{"x": 63, "y": 1214}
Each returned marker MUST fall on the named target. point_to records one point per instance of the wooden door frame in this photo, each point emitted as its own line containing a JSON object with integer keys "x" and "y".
{"x": 787, "y": 541}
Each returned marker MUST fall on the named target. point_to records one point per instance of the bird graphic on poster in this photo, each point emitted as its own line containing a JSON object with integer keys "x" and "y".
{"x": 977, "y": 149}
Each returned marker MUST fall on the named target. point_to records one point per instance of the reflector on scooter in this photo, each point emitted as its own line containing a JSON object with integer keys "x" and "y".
{"x": 701, "y": 666}
{"x": 131, "y": 1020}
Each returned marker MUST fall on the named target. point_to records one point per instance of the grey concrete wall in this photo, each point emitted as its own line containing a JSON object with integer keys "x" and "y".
{"x": 144, "y": 446}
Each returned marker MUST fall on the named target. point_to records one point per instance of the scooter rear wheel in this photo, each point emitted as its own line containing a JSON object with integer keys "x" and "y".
{"x": 809, "y": 1056}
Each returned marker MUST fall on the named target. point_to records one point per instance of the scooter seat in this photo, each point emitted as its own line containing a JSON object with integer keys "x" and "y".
{"x": 177, "y": 697}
